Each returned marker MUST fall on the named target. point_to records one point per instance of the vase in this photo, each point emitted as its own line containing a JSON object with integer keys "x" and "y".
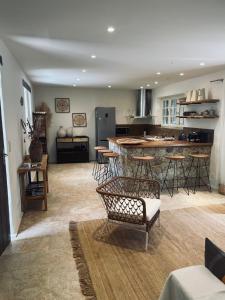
{"x": 194, "y": 96}
{"x": 61, "y": 132}
{"x": 69, "y": 132}
{"x": 35, "y": 151}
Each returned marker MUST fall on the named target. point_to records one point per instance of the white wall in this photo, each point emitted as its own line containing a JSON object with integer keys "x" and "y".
{"x": 213, "y": 91}
{"x": 12, "y": 89}
{"x": 83, "y": 100}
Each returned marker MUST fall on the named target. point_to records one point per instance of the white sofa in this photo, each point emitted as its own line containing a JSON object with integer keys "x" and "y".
{"x": 193, "y": 283}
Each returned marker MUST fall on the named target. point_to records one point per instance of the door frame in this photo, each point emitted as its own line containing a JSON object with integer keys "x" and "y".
{"x": 4, "y": 205}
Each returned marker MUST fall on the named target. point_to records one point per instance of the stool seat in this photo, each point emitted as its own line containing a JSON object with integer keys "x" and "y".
{"x": 105, "y": 151}
{"x": 145, "y": 158}
{"x": 99, "y": 148}
{"x": 111, "y": 155}
{"x": 175, "y": 157}
{"x": 199, "y": 155}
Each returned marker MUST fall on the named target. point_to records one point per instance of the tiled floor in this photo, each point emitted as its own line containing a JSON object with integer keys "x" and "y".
{"x": 39, "y": 263}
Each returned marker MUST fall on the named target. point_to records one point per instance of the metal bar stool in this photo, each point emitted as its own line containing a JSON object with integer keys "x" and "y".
{"x": 111, "y": 168}
{"x": 178, "y": 177}
{"x": 102, "y": 162}
{"x": 199, "y": 167}
{"x": 96, "y": 162}
{"x": 143, "y": 167}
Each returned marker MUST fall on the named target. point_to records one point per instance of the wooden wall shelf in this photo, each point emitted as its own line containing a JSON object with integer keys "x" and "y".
{"x": 199, "y": 102}
{"x": 196, "y": 117}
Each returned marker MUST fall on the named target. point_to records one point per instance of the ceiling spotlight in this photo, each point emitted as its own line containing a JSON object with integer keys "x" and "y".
{"x": 110, "y": 29}
{"x": 202, "y": 63}
{"x": 109, "y": 86}
{"x": 93, "y": 56}
{"x": 181, "y": 74}
{"x": 147, "y": 84}
{"x": 141, "y": 87}
{"x": 78, "y": 79}
{"x": 158, "y": 73}
{"x": 74, "y": 85}
{"x": 156, "y": 82}
{"x": 84, "y": 71}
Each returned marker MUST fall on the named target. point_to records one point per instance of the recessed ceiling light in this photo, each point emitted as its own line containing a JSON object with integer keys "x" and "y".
{"x": 181, "y": 74}
{"x": 109, "y": 86}
{"x": 147, "y": 84}
{"x": 141, "y": 87}
{"x": 202, "y": 63}
{"x": 110, "y": 29}
{"x": 156, "y": 82}
{"x": 74, "y": 85}
{"x": 93, "y": 56}
{"x": 84, "y": 71}
{"x": 158, "y": 73}
{"x": 78, "y": 79}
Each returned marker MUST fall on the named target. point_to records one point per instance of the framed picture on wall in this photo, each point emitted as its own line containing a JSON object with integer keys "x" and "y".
{"x": 79, "y": 120}
{"x": 62, "y": 105}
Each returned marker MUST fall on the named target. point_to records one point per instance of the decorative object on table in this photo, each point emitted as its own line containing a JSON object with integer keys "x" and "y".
{"x": 61, "y": 132}
{"x": 130, "y": 141}
{"x": 194, "y": 95}
{"x": 43, "y": 107}
{"x": 79, "y": 120}
{"x": 201, "y": 94}
{"x": 34, "y": 131}
{"x": 69, "y": 132}
{"x": 188, "y": 96}
{"x": 62, "y": 105}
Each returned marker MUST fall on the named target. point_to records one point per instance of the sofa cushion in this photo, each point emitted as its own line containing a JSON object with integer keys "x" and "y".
{"x": 193, "y": 283}
{"x": 215, "y": 260}
{"x": 152, "y": 206}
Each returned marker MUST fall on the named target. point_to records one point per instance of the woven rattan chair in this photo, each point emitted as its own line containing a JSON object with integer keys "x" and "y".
{"x": 133, "y": 201}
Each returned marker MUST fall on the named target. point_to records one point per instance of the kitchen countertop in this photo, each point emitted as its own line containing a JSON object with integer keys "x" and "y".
{"x": 159, "y": 144}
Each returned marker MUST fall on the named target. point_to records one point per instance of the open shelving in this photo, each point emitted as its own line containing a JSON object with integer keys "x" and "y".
{"x": 197, "y": 117}
{"x": 199, "y": 102}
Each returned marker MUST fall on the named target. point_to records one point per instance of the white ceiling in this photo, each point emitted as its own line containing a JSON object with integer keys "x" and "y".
{"x": 54, "y": 39}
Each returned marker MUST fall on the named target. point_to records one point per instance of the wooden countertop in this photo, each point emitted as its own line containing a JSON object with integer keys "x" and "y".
{"x": 160, "y": 144}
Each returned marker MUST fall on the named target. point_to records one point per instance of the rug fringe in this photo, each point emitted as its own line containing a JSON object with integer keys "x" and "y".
{"x": 82, "y": 267}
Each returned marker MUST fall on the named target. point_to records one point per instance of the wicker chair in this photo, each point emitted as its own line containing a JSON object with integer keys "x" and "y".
{"x": 130, "y": 200}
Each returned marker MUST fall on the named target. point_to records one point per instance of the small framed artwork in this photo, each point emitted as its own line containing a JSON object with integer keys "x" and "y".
{"x": 62, "y": 105}
{"x": 79, "y": 120}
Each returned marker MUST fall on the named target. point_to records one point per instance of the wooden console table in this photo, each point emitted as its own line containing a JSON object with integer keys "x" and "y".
{"x": 34, "y": 190}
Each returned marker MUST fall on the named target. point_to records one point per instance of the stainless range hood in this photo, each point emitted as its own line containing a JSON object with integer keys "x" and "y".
{"x": 144, "y": 99}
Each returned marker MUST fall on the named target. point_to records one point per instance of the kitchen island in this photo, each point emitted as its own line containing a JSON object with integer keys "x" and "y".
{"x": 159, "y": 149}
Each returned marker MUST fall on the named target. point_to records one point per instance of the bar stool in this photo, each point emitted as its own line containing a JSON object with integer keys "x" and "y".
{"x": 178, "y": 174}
{"x": 96, "y": 162}
{"x": 200, "y": 167}
{"x": 113, "y": 165}
{"x": 111, "y": 168}
{"x": 102, "y": 162}
{"x": 143, "y": 167}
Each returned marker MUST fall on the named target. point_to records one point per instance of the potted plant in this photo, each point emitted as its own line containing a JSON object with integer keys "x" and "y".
{"x": 33, "y": 131}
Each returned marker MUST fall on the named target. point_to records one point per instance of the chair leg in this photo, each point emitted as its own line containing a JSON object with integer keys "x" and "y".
{"x": 146, "y": 240}
{"x": 158, "y": 221}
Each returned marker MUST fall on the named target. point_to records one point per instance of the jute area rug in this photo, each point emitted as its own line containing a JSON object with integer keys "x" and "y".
{"x": 113, "y": 263}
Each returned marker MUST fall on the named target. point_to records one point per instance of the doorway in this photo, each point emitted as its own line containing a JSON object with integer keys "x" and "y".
{"x": 4, "y": 208}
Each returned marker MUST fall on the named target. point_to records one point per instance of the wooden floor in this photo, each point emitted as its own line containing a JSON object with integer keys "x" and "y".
{"x": 121, "y": 269}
